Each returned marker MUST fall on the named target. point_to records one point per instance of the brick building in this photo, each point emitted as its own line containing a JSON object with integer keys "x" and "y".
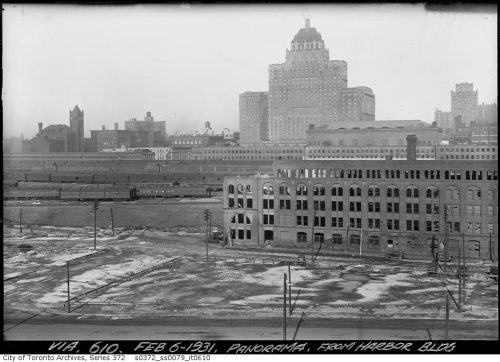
{"x": 372, "y": 206}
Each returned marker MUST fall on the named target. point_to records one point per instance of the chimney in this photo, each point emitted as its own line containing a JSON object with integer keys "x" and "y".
{"x": 103, "y": 128}
{"x": 308, "y": 24}
{"x": 116, "y": 126}
{"x": 411, "y": 147}
{"x": 40, "y": 127}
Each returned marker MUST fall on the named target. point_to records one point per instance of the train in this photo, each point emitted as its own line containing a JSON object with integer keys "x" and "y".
{"x": 103, "y": 192}
{"x": 213, "y": 181}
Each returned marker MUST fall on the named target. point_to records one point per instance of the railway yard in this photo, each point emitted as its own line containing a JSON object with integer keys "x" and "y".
{"x": 140, "y": 275}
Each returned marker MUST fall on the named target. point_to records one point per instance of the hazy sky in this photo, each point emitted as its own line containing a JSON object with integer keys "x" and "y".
{"x": 187, "y": 65}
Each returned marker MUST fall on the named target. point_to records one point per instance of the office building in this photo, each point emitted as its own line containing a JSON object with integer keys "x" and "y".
{"x": 464, "y": 102}
{"x": 370, "y": 207}
{"x": 254, "y": 116}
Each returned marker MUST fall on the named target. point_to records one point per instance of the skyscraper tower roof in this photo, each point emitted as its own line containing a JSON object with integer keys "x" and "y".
{"x": 307, "y": 34}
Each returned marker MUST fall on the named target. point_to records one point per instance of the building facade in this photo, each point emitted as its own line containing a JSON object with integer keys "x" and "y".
{"x": 148, "y": 124}
{"x": 357, "y": 105}
{"x": 378, "y": 133}
{"x": 248, "y": 153}
{"x": 76, "y": 123}
{"x": 254, "y": 116}
{"x": 464, "y": 102}
{"x": 307, "y": 89}
{"x": 370, "y": 207}
{"x": 116, "y": 139}
{"x": 444, "y": 120}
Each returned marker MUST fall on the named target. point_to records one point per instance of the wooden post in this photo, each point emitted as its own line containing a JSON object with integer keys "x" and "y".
{"x": 284, "y": 306}
{"x": 21, "y": 220}
{"x": 67, "y": 267}
{"x": 491, "y": 253}
{"x": 289, "y": 290}
{"x": 96, "y": 206}
{"x": 112, "y": 222}
{"x": 459, "y": 279}
{"x": 447, "y": 317}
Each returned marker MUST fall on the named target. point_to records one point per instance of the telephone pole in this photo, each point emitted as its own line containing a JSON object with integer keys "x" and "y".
{"x": 445, "y": 236}
{"x": 312, "y": 233}
{"x": 289, "y": 290}
{"x": 67, "y": 268}
{"x": 112, "y": 222}
{"x": 284, "y": 306}
{"x": 206, "y": 216}
{"x": 21, "y": 220}
{"x": 96, "y": 206}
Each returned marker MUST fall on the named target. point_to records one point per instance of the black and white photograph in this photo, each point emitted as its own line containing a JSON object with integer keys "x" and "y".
{"x": 205, "y": 173}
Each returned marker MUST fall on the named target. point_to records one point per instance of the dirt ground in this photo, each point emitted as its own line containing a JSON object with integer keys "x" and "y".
{"x": 157, "y": 273}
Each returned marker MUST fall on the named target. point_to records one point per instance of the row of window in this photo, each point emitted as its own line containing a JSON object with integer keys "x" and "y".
{"x": 373, "y": 191}
{"x": 389, "y": 174}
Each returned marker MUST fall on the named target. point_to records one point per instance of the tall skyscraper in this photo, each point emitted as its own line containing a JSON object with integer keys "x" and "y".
{"x": 254, "y": 116}
{"x": 308, "y": 88}
{"x": 305, "y": 89}
{"x": 464, "y": 102}
{"x": 76, "y": 125}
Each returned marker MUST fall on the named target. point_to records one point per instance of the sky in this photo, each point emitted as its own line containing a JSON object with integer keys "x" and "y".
{"x": 187, "y": 64}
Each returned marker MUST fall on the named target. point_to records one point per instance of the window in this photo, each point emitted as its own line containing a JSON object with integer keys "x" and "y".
{"x": 301, "y": 237}
{"x": 284, "y": 189}
{"x": 249, "y": 189}
{"x": 337, "y": 191}
{"x": 337, "y": 206}
{"x": 355, "y": 206}
{"x": 302, "y": 220}
{"x": 319, "y": 190}
{"x": 319, "y": 205}
{"x": 301, "y": 190}
{"x": 231, "y": 189}
{"x": 354, "y": 239}
{"x": 301, "y": 204}
{"x": 337, "y": 239}
{"x": 285, "y": 204}
{"x": 231, "y": 202}
{"x": 373, "y": 241}
{"x": 268, "y": 219}
{"x": 268, "y": 204}
{"x": 239, "y": 188}
{"x": 337, "y": 222}
{"x": 355, "y": 191}
{"x": 267, "y": 189}
{"x": 249, "y": 203}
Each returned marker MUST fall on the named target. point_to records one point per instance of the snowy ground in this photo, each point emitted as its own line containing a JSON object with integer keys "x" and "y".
{"x": 230, "y": 284}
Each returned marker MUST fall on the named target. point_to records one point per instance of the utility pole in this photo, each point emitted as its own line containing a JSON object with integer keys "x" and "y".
{"x": 112, "y": 222}
{"x": 445, "y": 237}
{"x": 67, "y": 268}
{"x": 289, "y": 290}
{"x": 96, "y": 206}
{"x": 361, "y": 243}
{"x": 447, "y": 317}
{"x": 459, "y": 279}
{"x": 491, "y": 255}
{"x": 346, "y": 238}
{"x": 21, "y": 220}
{"x": 284, "y": 306}
{"x": 312, "y": 234}
{"x": 206, "y": 216}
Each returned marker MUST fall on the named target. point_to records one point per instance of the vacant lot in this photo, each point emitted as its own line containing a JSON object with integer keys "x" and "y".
{"x": 156, "y": 273}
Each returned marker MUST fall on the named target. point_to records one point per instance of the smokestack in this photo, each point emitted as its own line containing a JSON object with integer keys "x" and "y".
{"x": 308, "y": 24}
{"x": 103, "y": 128}
{"x": 116, "y": 126}
{"x": 411, "y": 147}
{"x": 40, "y": 124}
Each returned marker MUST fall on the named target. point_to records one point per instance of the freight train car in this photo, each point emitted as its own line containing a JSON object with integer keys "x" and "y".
{"x": 14, "y": 193}
{"x": 80, "y": 177}
{"x": 110, "y": 193}
{"x": 38, "y": 176}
